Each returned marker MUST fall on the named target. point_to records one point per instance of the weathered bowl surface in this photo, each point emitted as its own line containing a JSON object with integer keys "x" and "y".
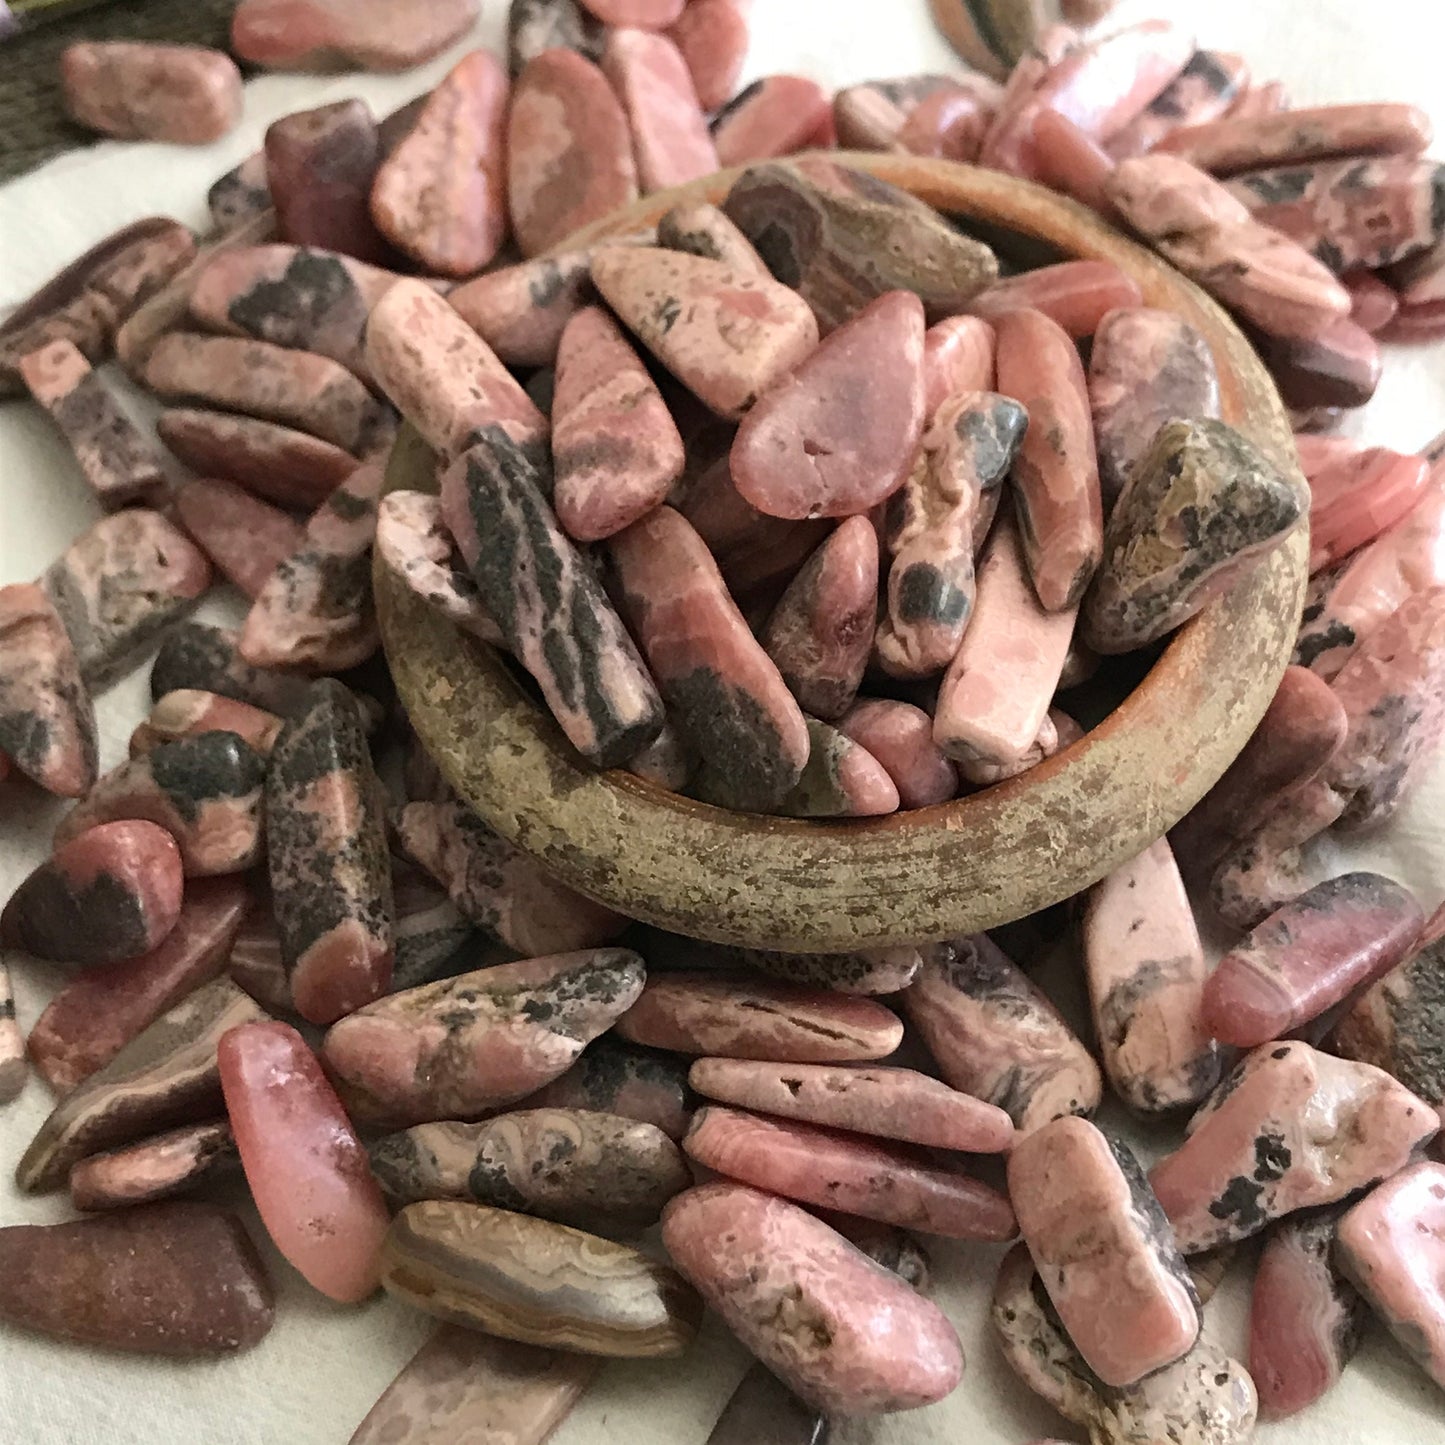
{"x": 924, "y": 875}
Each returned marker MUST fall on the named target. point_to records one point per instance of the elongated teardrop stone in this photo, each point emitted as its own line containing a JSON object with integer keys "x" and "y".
{"x": 1291, "y": 1129}
{"x": 670, "y": 138}
{"x": 845, "y": 1334}
{"x": 958, "y": 354}
{"x": 306, "y": 1169}
{"x": 91, "y": 1019}
{"x": 163, "y": 1077}
{"x": 108, "y": 893}
{"x": 151, "y": 1169}
{"x": 1075, "y": 295}
{"x": 47, "y": 718}
{"x": 459, "y": 1047}
{"x": 900, "y": 736}
{"x": 1104, "y": 1250}
{"x": 727, "y": 335}
{"x": 775, "y": 116}
{"x": 242, "y": 535}
{"x": 1356, "y": 499}
{"x": 171, "y": 1279}
{"x": 1148, "y": 984}
{"x": 994, "y": 1035}
{"x": 537, "y": 1282}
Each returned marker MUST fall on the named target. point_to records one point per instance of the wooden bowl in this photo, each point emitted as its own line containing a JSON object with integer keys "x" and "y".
{"x": 917, "y": 876}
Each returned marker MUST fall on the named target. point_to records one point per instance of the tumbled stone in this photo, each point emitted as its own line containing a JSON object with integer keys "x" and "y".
{"x": 442, "y": 376}
{"x": 463, "y": 1385}
{"x": 306, "y": 1169}
{"x": 242, "y": 535}
{"x": 670, "y": 138}
{"x": 548, "y": 602}
{"x": 872, "y": 116}
{"x": 320, "y": 165}
{"x": 728, "y": 336}
{"x": 47, "y": 719}
{"x": 723, "y": 691}
{"x": 286, "y": 466}
{"x": 1070, "y": 161}
{"x": 1104, "y": 1250}
{"x": 841, "y": 250}
{"x": 1057, "y": 732}
{"x": 200, "y": 655}
{"x": 615, "y": 448}
{"x": 615, "y": 1077}
{"x": 820, "y": 633}
{"x": 957, "y": 357}
{"x": 440, "y": 196}
{"x": 1340, "y": 366}
{"x": 837, "y": 436}
{"x": 155, "y": 1168}
{"x": 163, "y": 1077}
{"x": 1201, "y": 93}
{"x": 746, "y": 1018}
{"x": 996, "y": 692}
{"x": 1076, "y": 295}
{"x": 992, "y": 35}
{"x": 589, "y": 1170}
{"x": 930, "y": 531}
{"x": 892, "y": 1103}
{"x": 950, "y": 124}
{"x": 1205, "y": 1399}
{"x": 1209, "y": 234}
{"x": 121, "y": 466}
{"x": 537, "y": 25}
{"x": 93, "y": 1017}
{"x": 462, "y": 1046}
{"x": 1201, "y": 507}
{"x": 1291, "y": 1129}
{"x": 713, "y": 38}
{"x": 119, "y": 585}
{"x": 1148, "y": 985}
{"x": 499, "y": 887}
{"x": 841, "y": 779}
{"x": 842, "y": 1332}
{"x": 179, "y": 1279}
{"x": 1373, "y": 304}
{"x": 569, "y": 150}
{"x": 537, "y": 1282}
{"x": 1391, "y": 1246}
{"x": 86, "y": 301}
{"x": 434, "y": 938}
{"x": 13, "y": 1068}
{"x": 326, "y": 847}
{"x": 520, "y": 311}
{"x": 1354, "y": 500}
{"x": 241, "y": 195}
{"x": 134, "y": 91}
{"x": 368, "y": 34}
{"x": 111, "y": 893}
{"x": 256, "y": 964}
{"x": 772, "y": 117}
{"x": 1146, "y": 367}
{"x": 993, "y": 1034}
{"x": 900, "y": 737}
{"x": 205, "y": 791}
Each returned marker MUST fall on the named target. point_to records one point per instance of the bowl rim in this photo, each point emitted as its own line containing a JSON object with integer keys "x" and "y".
{"x": 807, "y": 885}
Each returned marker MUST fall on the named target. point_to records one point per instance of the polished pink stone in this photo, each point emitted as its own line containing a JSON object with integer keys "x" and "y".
{"x": 1354, "y": 500}
{"x": 1075, "y": 294}
{"x": 728, "y": 336}
{"x": 520, "y": 311}
{"x": 93, "y": 1017}
{"x": 670, "y": 138}
{"x": 1291, "y": 1129}
{"x": 1147, "y": 981}
{"x": 1202, "y": 92}
{"x": 569, "y": 150}
{"x": 441, "y": 195}
{"x": 615, "y": 448}
{"x": 243, "y": 536}
{"x": 821, "y": 631}
{"x": 371, "y": 34}
{"x": 746, "y": 1018}
{"x": 133, "y": 91}
{"x": 772, "y": 117}
{"x": 1310, "y": 955}
{"x": 997, "y": 690}
{"x": 891, "y": 1103}
{"x": 306, "y": 1169}
{"x": 441, "y": 375}
{"x": 649, "y": 14}
{"x": 950, "y": 124}
{"x": 1305, "y": 1321}
{"x": 1103, "y": 1250}
{"x": 1373, "y": 304}
{"x": 957, "y": 357}
{"x": 836, "y": 1170}
{"x": 111, "y": 893}
{"x": 1056, "y": 475}
{"x": 187, "y": 711}
{"x": 713, "y": 38}
{"x": 1392, "y": 1246}
{"x": 837, "y": 436}
{"x": 846, "y": 1334}
{"x": 463, "y": 1046}
{"x": 1057, "y": 732}
{"x": 841, "y": 779}
{"x": 158, "y": 1167}
{"x": 900, "y": 736}
{"x": 1069, "y": 160}
{"x": 704, "y": 230}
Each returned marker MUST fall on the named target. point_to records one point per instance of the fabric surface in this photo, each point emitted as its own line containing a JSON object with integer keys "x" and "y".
{"x": 316, "y": 1375}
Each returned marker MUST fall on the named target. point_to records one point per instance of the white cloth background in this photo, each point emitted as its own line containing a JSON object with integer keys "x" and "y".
{"x": 323, "y": 1365}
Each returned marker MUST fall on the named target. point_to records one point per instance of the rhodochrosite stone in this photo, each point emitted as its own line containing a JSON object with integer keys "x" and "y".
{"x": 774, "y": 116}
{"x": 242, "y": 535}
{"x": 839, "y": 780}
{"x": 670, "y": 137}
{"x": 900, "y": 736}
{"x": 958, "y": 355}
{"x": 713, "y": 38}
{"x": 155, "y": 1168}
{"x": 372, "y": 34}
{"x": 615, "y": 1077}
{"x": 306, "y": 1169}
{"x": 844, "y": 1333}
{"x": 181, "y": 93}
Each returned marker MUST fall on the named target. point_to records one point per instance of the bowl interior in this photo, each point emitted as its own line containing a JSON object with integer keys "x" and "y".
{"x": 933, "y": 873}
